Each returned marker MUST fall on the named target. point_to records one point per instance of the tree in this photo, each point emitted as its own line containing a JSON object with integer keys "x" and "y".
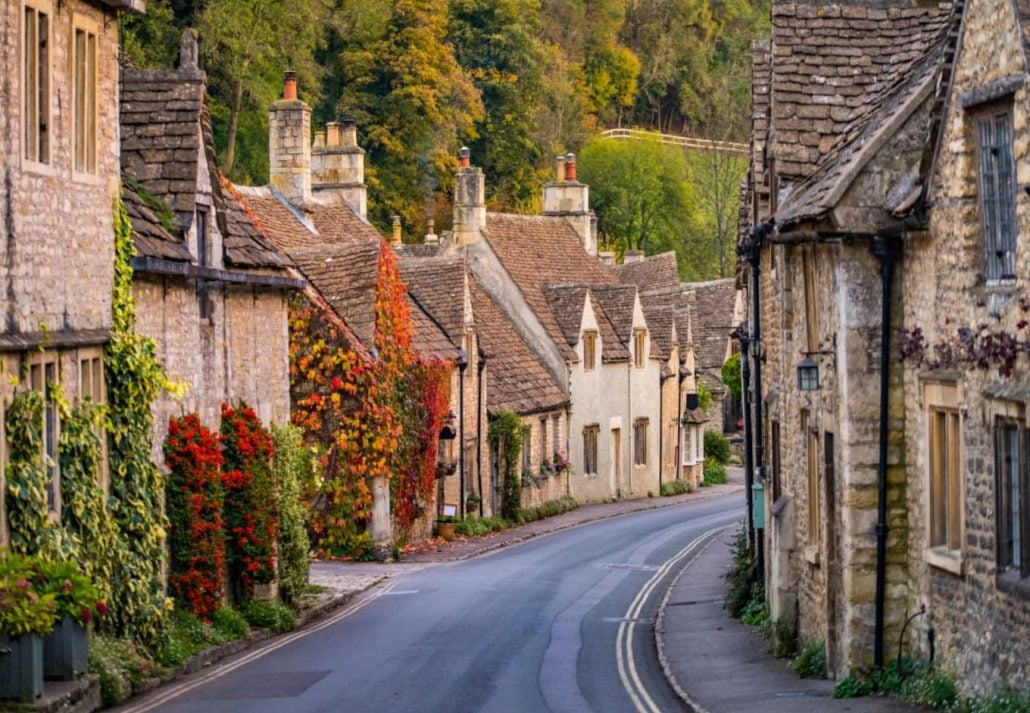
{"x": 715, "y": 177}
{"x": 246, "y": 46}
{"x": 150, "y": 39}
{"x": 416, "y": 104}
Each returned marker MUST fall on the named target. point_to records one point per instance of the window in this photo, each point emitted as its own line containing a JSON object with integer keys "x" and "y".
{"x": 688, "y": 445}
{"x": 589, "y": 351}
{"x": 776, "y": 484}
{"x": 43, "y": 376}
{"x": 556, "y": 433}
{"x": 544, "y": 454}
{"x": 202, "y": 235}
{"x": 640, "y": 441}
{"x": 91, "y": 386}
{"x": 527, "y": 448}
{"x": 36, "y": 84}
{"x": 84, "y": 78}
{"x": 590, "y": 449}
{"x": 639, "y": 345}
{"x": 945, "y": 479}
{"x": 814, "y": 524}
{"x": 1013, "y": 495}
{"x": 997, "y": 194}
{"x": 811, "y": 323}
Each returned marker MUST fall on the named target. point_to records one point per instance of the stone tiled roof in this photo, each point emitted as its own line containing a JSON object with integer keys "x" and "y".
{"x": 652, "y": 271}
{"x": 761, "y": 78}
{"x": 430, "y": 339}
{"x": 516, "y": 378}
{"x": 345, "y": 274}
{"x": 438, "y": 283}
{"x": 149, "y": 235}
{"x": 566, "y": 303}
{"x": 712, "y": 310}
{"x": 835, "y": 65}
{"x": 660, "y": 313}
{"x": 243, "y": 242}
{"x": 419, "y": 249}
{"x": 543, "y": 250}
{"x": 617, "y": 302}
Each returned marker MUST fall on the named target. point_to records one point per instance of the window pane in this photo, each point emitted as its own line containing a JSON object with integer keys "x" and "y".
{"x": 44, "y": 88}
{"x": 954, "y": 484}
{"x": 80, "y": 100}
{"x": 91, "y": 103}
{"x": 1013, "y": 466}
{"x": 937, "y": 478}
{"x": 31, "y": 80}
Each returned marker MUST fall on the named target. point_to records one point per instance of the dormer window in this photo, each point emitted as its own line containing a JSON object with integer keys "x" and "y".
{"x": 639, "y": 347}
{"x": 589, "y": 351}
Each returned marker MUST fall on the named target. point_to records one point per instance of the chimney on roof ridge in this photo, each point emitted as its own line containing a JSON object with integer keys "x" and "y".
{"x": 469, "y": 200}
{"x": 632, "y": 256}
{"x": 570, "y": 199}
{"x": 289, "y": 144}
{"x": 395, "y": 239}
{"x": 607, "y": 257}
{"x": 431, "y": 237}
{"x": 338, "y": 166}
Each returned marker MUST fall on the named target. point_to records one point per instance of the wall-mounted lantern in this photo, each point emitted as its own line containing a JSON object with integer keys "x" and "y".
{"x": 808, "y": 375}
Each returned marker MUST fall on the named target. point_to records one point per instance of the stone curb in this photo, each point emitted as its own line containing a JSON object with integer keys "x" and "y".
{"x": 646, "y": 504}
{"x": 659, "y": 629}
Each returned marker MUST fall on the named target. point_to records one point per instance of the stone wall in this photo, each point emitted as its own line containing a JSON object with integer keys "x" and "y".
{"x": 982, "y": 626}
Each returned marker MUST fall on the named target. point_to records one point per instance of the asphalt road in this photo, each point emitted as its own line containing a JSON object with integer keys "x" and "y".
{"x": 560, "y": 623}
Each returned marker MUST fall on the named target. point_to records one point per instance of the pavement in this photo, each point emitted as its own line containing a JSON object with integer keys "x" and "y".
{"x": 717, "y": 664}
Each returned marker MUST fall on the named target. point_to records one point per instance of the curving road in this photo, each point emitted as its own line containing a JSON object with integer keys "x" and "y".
{"x": 561, "y": 623}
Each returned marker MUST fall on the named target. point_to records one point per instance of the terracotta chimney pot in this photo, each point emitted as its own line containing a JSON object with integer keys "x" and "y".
{"x": 290, "y": 86}
{"x": 464, "y": 157}
{"x": 561, "y": 169}
{"x": 570, "y": 166}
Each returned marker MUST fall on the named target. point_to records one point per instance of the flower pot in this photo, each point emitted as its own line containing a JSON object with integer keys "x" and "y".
{"x": 445, "y": 530}
{"x": 21, "y": 668}
{"x": 65, "y": 651}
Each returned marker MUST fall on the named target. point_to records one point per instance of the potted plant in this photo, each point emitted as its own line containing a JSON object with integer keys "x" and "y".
{"x": 445, "y": 527}
{"x": 66, "y": 648}
{"x": 26, "y": 615}
{"x": 560, "y": 462}
{"x": 472, "y": 502}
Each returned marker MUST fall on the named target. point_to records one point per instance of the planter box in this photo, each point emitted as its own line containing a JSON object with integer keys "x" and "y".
{"x": 445, "y": 530}
{"x": 65, "y": 651}
{"x": 21, "y": 670}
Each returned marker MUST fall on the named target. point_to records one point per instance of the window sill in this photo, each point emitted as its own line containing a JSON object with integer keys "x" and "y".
{"x": 944, "y": 559}
{"x": 1011, "y": 583}
{"x": 89, "y": 179}
{"x": 37, "y": 167}
{"x": 811, "y": 555}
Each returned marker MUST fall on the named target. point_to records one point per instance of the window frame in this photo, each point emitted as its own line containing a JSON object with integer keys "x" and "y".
{"x": 639, "y": 348}
{"x": 527, "y": 448}
{"x": 51, "y": 436}
{"x": 35, "y": 162}
{"x": 556, "y": 431}
{"x": 994, "y": 241}
{"x": 91, "y": 142}
{"x": 590, "y": 438}
{"x": 640, "y": 444}
{"x": 589, "y": 350}
{"x": 815, "y": 530}
{"x": 944, "y": 538}
{"x": 1008, "y": 562}
{"x": 97, "y": 393}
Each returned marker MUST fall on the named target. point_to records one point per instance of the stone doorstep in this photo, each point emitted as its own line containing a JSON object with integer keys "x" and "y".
{"x": 79, "y": 696}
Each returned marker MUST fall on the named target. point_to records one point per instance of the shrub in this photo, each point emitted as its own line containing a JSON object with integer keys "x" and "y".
{"x": 479, "y": 526}
{"x": 852, "y": 687}
{"x": 269, "y": 615}
{"x": 714, "y": 475}
{"x": 675, "y": 487}
{"x": 931, "y": 688}
{"x": 785, "y": 640}
{"x": 120, "y": 666}
{"x": 186, "y": 636}
{"x": 250, "y": 513}
{"x": 811, "y": 662}
{"x": 717, "y": 447}
{"x": 230, "y": 623}
{"x": 731, "y": 375}
{"x": 548, "y": 508}
{"x": 193, "y": 498}
{"x": 1003, "y": 700}
{"x": 293, "y": 469}
{"x": 506, "y": 431}
{"x": 740, "y": 576}
{"x": 756, "y": 613}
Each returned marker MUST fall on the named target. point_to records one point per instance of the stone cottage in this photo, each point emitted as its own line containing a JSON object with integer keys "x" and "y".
{"x": 886, "y": 217}
{"x": 58, "y": 150}
{"x": 209, "y": 288}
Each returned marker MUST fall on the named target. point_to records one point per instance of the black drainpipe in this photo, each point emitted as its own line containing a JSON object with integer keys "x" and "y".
{"x": 745, "y": 388}
{"x": 678, "y": 450}
{"x": 462, "y": 363}
{"x": 754, "y": 259}
{"x": 885, "y": 248}
{"x": 481, "y": 365}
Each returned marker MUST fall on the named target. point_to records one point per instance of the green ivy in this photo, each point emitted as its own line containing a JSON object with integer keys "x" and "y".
{"x": 506, "y": 429}
{"x": 134, "y": 380}
{"x": 292, "y": 470}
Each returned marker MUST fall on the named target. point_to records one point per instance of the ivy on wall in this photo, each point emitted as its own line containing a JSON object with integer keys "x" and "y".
{"x": 32, "y": 532}
{"x": 507, "y": 432}
{"x": 293, "y": 471}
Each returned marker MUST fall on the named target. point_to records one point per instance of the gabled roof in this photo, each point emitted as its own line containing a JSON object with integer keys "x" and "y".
{"x": 836, "y": 65}
{"x": 653, "y": 271}
{"x": 438, "y": 284}
{"x": 345, "y": 274}
{"x": 618, "y": 302}
{"x": 661, "y": 297}
{"x": 429, "y": 338}
{"x": 660, "y": 313}
{"x": 149, "y": 235}
{"x": 517, "y": 378}
{"x": 712, "y": 305}
{"x": 543, "y": 250}
{"x": 566, "y": 303}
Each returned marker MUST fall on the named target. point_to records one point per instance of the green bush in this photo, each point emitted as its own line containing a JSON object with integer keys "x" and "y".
{"x": 731, "y": 375}
{"x": 931, "y": 688}
{"x": 852, "y": 687}
{"x": 230, "y": 623}
{"x": 269, "y": 615}
{"x": 785, "y": 640}
{"x": 717, "y": 447}
{"x": 185, "y": 637}
{"x": 714, "y": 475}
{"x": 120, "y": 665}
{"x": 548, "y": 508}
{"x": 756, "y": 613}
{"x": 479, "y": 526}
{"x": 1003, "y": 700}
{"x": 676, "y": 487}
{"x": 293, "y": 471}
{"x": 740, "y": 576}
{"x": 811, "y": 662}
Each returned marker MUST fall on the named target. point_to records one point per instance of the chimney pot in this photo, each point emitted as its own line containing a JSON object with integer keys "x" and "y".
{"x": 464, "y": 157}
{"x": 349, "y": 135}
{"x": 290, "y": 86}
{"x": 431, "y": 237}
{"x": 319, "y": 139}
{"x": 570, "y": 166}
{"x": 396, "y": 240}
{"x": 561, "y": 169}
{"x": 332, "y": 134}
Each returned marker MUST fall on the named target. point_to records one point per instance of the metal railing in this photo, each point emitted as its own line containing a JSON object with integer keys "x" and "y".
{"x": 689, "y": 142}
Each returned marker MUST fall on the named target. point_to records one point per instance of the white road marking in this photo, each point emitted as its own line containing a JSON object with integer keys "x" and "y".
{"x": 624, "y": 655}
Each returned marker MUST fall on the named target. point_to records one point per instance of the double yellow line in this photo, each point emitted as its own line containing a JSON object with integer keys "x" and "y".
{"x": 642, "y": 701}
{"x": 276, "y": 644}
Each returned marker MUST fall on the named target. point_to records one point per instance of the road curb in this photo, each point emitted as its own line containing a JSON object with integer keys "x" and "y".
{"x": 531, "y": 535}
{"x": 659, "y": 629}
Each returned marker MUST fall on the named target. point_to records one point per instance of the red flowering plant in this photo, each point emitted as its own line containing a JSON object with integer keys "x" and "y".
{"x": 193, "y": 501}
{"x": 251, "y": 517}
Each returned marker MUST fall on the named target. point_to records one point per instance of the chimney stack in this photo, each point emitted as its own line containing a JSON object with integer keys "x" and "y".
{"x": 631, "y": 256}
{"x": 607, "y": 257}
{"x": 469, "y": 200}
{"x": 570, "y": 199}
{"x": 431, "y": 237}
{"x": 338, "y": 167}
{"x": 289, "y": 144}
{"x": 396, "y": 238}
